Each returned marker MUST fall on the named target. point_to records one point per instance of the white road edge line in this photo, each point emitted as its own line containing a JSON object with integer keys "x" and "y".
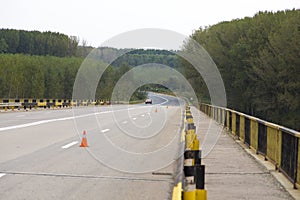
{"x": 62, "y": 119}
{"x": 104, "y": 130}
{"x": 2, "y": 174}
{"x": 69, "y": 145}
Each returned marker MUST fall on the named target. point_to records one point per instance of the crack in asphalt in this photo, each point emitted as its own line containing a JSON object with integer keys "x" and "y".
{"x": 85, "y": 176}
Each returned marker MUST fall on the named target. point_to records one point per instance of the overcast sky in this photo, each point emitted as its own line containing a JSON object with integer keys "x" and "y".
{"x": 96, "y": 20}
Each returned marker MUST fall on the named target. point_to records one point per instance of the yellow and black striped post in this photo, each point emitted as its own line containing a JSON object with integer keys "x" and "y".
{"x": 194, "y": 172}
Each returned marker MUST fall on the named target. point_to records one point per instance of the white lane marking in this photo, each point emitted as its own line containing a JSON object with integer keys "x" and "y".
{"x": 125, "y": 122}
{"x": 69, "y": 145}
{"x": 2, "y": 174}
{"x": 104, "y": 130}
{"x": 62, "y": 119}
{"x": 134, "y": 118}
{"x": 20, "y": 116}
{"x": 166, "y": 100}
{"x": 143, "y": 115}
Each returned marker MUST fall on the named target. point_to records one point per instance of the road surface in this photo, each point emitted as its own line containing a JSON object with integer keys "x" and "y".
{"x": 131, "y": 154}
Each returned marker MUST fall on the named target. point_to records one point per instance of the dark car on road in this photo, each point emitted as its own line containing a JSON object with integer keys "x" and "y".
{"x": 148, "y": 101}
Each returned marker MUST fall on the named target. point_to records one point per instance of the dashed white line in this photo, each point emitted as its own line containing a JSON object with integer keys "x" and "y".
{"x": 104, "y": 130}
{"x": 143, "y": 115}
{"x": 2, "y": 174}
{"x": 134, "y": 118}
{"x": 69, "y": 145}
{"x": 125, "y": 122}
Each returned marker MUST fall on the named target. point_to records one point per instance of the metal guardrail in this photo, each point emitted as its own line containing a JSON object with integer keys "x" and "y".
{"x": 276, "y": 143}
{"x": 47, "y": 103}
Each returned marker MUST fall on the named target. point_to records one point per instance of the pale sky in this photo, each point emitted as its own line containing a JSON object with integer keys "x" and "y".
{"x": 97, "y": 21}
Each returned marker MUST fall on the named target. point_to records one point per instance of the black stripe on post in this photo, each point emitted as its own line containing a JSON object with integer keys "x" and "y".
{"x": 200, "y": 176}
{"x": 191, "y": 126}
{"x": 188, "y": 116}
{"x": 189, "y": 171}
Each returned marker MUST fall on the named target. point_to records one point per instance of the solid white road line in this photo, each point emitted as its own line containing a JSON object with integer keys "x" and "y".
{"x": 62, "y": 119}
{"x": 2, "y": 174}
{"x": 69, "y": 145}
{"x": 104, "y": 130}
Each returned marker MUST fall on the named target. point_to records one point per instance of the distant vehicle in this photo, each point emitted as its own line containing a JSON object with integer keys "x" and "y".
{"x": 148, "y": 101}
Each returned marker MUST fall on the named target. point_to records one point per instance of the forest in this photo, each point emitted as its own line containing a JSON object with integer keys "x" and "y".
{"x": 36, "y": 73}
{"x": 259, "y": 60}
{"x": 37, "y": 43}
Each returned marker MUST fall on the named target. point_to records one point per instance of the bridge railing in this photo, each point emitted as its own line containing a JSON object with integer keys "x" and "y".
{"x": 278, "y": 144}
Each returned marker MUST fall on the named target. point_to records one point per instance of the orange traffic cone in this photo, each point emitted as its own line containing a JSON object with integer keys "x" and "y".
{"x": 84, "y": 140}
{"x": 155, "y": 110}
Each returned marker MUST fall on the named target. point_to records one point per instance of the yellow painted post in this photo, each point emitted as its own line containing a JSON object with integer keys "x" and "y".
{"x": 190, "y": 120}
{"x": 242, "y": 128}
{"x": 274, "y": 144}
{"x": 227, "y": 119}
{"x": 12, "y": 108}
{"x": 254, "y": 134}
{"x": 196, "y": 144}
{"x": 189, "y": 195}
{"x": 233, "y": 123}
{"x": 177, "y": 192}
{"x": 201, "y": 195}
{"x": 189, "y": 140}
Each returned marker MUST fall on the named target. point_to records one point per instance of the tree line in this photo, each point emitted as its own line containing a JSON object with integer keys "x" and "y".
{"x": 26, "y": 76}
{"x": 38, "y": 76}
{"x": 37, "y": 43}
{"x": 258, "y": 58}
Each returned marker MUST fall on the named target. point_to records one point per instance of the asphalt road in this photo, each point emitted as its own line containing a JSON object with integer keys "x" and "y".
{"x": 131, "y": 155}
